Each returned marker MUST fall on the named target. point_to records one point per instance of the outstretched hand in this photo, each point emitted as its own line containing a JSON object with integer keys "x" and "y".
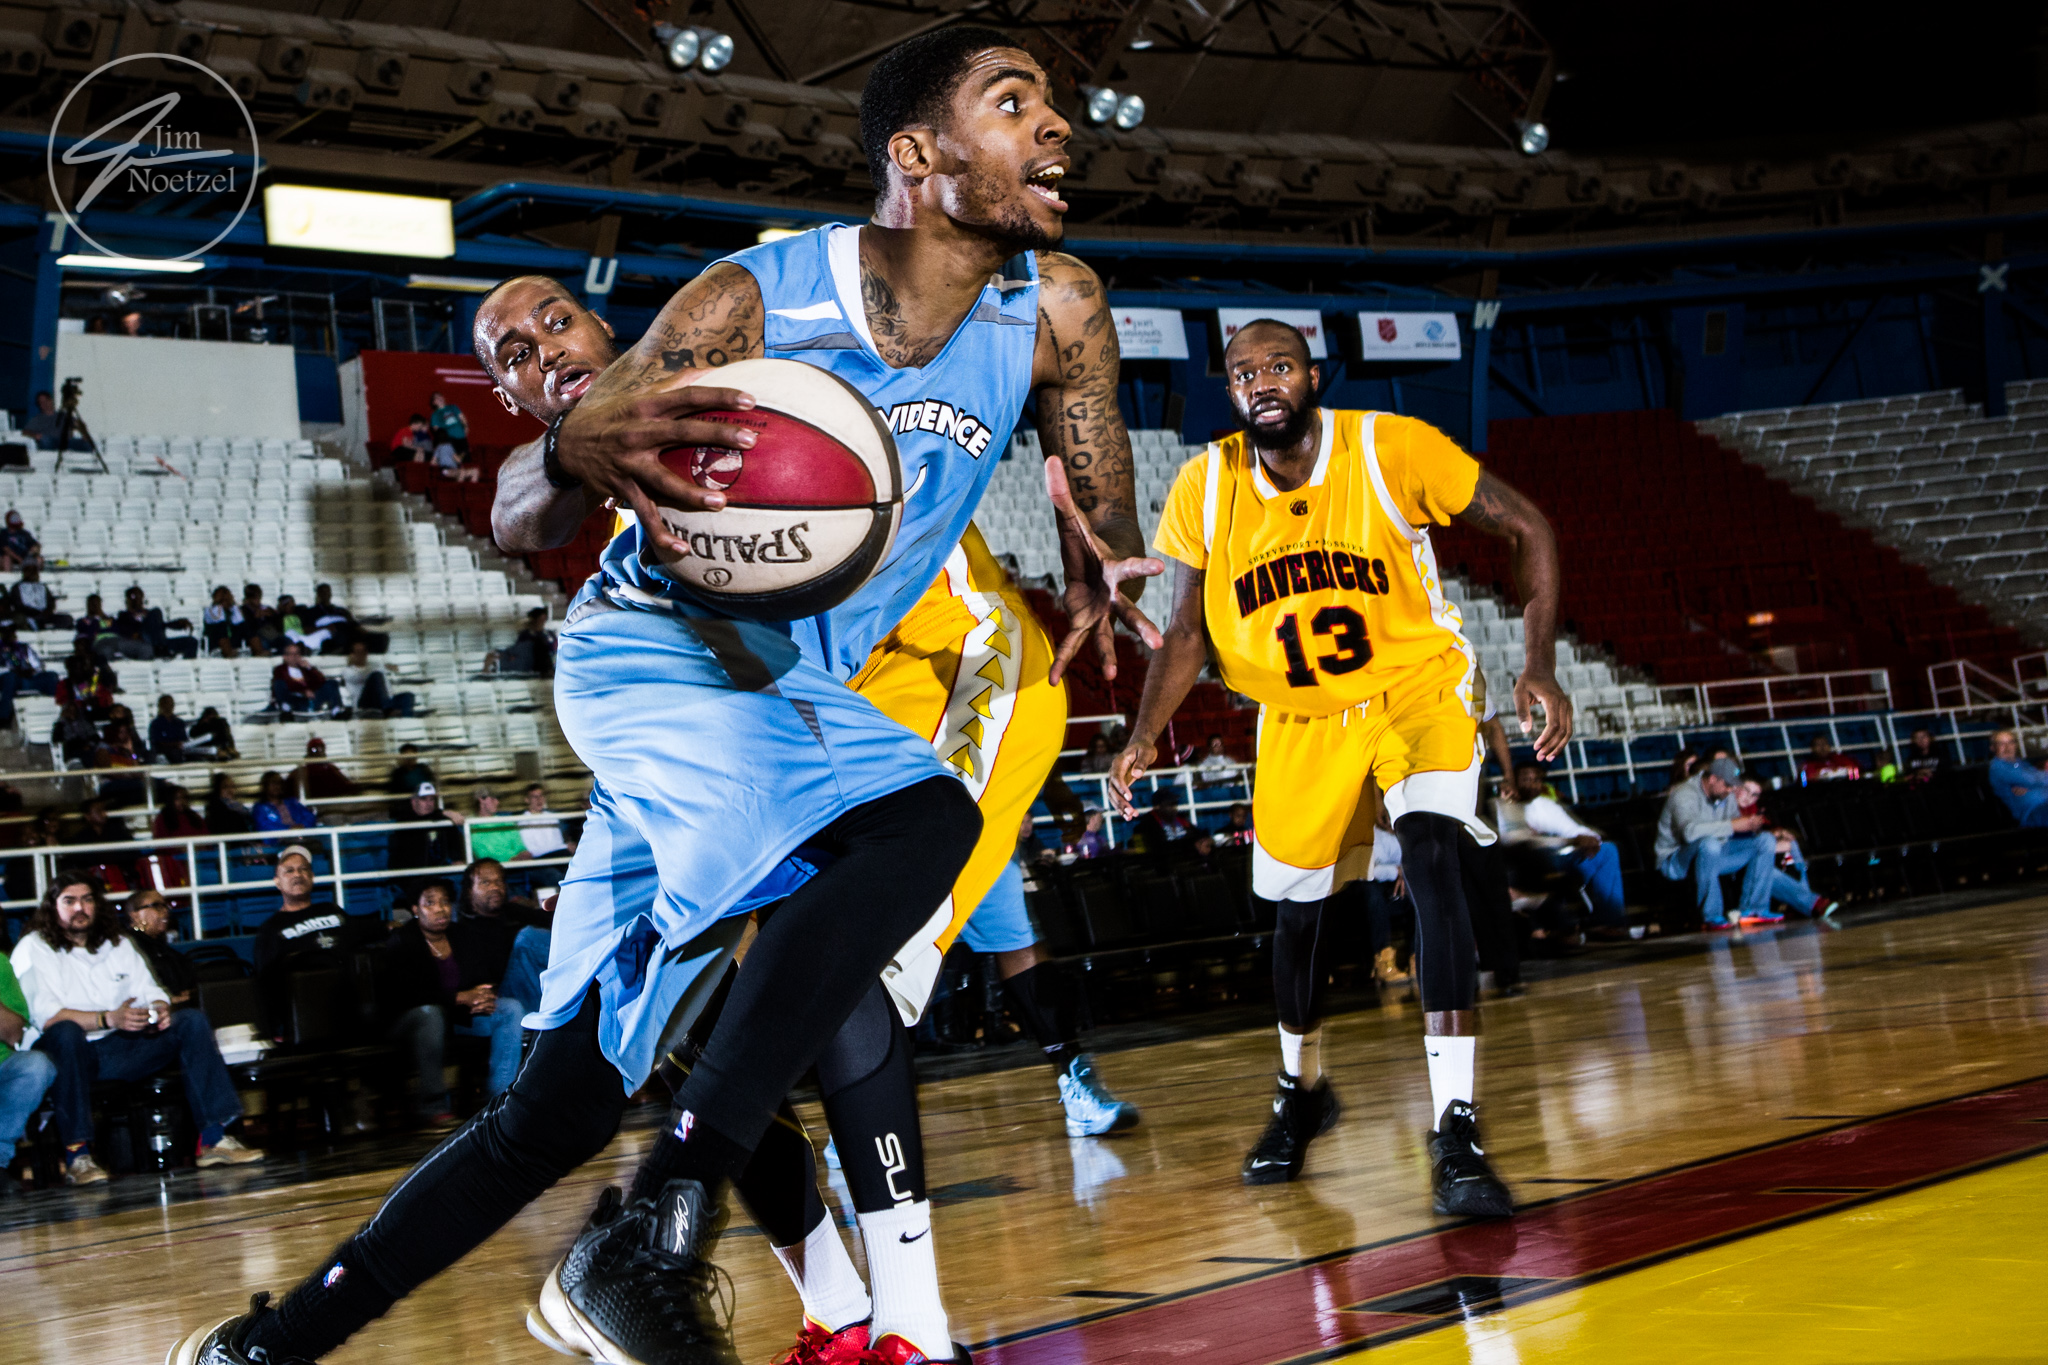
{"x": 1532, "y": 691}
{"x": 1094, "y": 598}
{"x": 613, "y": 442}
{"x": 1124, "y": 771}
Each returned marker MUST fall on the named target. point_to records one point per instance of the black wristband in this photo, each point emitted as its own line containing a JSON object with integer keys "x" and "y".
{"x": 551, "y": 458}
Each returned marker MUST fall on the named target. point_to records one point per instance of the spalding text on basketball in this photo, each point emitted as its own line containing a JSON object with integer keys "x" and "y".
{"x": 783, "y": 545}
{"x": 966, "y": 430}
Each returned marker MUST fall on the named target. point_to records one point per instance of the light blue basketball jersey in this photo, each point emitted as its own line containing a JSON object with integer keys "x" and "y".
{"x": 951, "y": 419}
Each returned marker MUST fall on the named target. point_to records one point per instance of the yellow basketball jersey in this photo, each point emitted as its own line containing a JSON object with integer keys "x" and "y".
{"x": 1323, "y": 597}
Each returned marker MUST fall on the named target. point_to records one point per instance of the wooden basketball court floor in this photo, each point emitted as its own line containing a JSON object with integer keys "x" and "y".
{"x": 1800, "y": 1146}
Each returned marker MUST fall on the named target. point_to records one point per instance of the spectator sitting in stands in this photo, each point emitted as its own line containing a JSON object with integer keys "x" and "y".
{"x": 100, "y": 635}
{"x": 25, "y": 1074}
{"x": 296, "y": 687}
{"x": 74, "y": 736}
{"x": 261, "y": 632}
{"x": 451, "y": 463}
{"x": 1237, "y": 830}
{"x": 333, "y": 621}
{"x": 102, "y": 1016}
{"x": 21, "y": 667}
{"x": 487, "y": 900}
{"x": 89, "y": 683}
{"x": 1922, "y": 762}
{"x": 177, "y": 819}
{"x": 149, "y": 925}
{"x": 436, "y": 845}
{"x": 540, "y": 829}
{"x": 1826, "y": 765}
{"x": 364, "y": 688}
{"x": 405, "y": 780}
{"x": 1099, "y": 756}
{"x": 447, "y": 424}
{"x": 140, "y": 622}
{"x": 532, "y": 653}
{"x": 1219, "y": 769}
{"x": 277, "y": 808}
{"x": 1030, "y": 848}
{"x": 303, "y": 936}
{"x": 413, "y": 441}
{"x": 121, "y": 747}
{"x": 18, "y": 549}
{"x": 439, "y": 960}
{"x": 1384, "y": 891}
{"x": 1094, "y": 838}
{"x": 2020, "y": 784}
{"x": 292, "y": 624}
{"x": 225, "y": 814}
{"x": 43, "y": 425}
{"x": 1532, "y": 822}
{"x": 492, "y": 835}
{"x": 31, "y": 605}
{"x": 212, "y": 733}
{"x": 1700, "y": 836}
{"x": 1158, "y": 829}
{"x": 1683, "y": 763}
{"x": 167, "y": 733}
{"x": 320, "y": 780}
{"x": 221, "y": 623}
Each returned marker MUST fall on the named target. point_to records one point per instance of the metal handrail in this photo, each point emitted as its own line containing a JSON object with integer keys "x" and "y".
{"x": 1835, "y": 701}
{"x": 46, "y": 858}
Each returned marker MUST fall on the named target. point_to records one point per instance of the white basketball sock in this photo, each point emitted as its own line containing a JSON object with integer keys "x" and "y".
{"x": 825, "y": 1279}
{"x": 1301, "y": 1055}
{"x": 905, "y": 1275}
{"x": 1450, "y": 1072}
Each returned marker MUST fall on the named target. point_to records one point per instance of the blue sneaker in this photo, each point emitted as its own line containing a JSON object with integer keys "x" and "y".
{"x": 1091, "y": 1109}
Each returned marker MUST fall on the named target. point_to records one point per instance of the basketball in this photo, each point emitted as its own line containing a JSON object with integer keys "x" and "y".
{"x": 811, "y": 509}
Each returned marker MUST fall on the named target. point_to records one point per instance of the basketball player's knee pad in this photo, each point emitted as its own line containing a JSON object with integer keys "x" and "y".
{"x": 1435, "y": 873}
{"x": 1298, "y": 968}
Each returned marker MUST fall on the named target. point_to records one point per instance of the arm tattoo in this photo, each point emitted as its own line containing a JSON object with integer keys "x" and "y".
{"x": 886, "y": 324}
{"x": 712, "y": 321}
{"x": 1496, "y": 508}
{"x": 1078, "y": 417}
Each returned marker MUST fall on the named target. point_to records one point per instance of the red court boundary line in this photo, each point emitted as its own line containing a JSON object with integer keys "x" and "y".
{"x": 1302, "y": 1312}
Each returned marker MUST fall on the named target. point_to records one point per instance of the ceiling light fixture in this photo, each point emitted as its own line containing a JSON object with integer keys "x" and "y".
{"x": 129, "y": 263}
{"x": 1099, "y": 103}
{"x": 1130, "y": 112}
{"x": 1535, "y": 137}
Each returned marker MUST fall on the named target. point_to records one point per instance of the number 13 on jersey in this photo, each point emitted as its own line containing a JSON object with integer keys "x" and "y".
{"x": 1346, "y": 629}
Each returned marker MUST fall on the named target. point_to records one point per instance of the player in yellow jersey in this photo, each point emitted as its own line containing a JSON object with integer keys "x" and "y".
{"x": 1304, "y": 562}
{"x": 971, "y": 668}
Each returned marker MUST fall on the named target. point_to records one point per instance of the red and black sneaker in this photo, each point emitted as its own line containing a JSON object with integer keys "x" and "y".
{"x": 890, "y": 1349}
{"x": 817, "y": 1344}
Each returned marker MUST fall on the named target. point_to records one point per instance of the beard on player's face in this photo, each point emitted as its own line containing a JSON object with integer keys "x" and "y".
{"x": 992, "y": 199}
{"x": 1281, "y": 422}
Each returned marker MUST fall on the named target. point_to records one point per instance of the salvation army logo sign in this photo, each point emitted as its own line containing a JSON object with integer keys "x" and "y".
{"x": 1388, "y": 331}
{"x": 179, "y": 148}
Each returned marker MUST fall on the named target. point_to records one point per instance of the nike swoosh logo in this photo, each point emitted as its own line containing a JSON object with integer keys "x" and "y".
{"x": 1262, "y": 1165}
{"x": 906, "y": 1238}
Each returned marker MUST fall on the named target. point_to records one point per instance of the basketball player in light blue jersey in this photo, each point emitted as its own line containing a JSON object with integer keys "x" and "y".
{"x": 722, "y": 748}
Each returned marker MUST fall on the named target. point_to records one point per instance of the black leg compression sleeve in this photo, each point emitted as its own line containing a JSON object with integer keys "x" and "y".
{"x": 560, "y": 1111}
{"x": 870, "y": 1085}
{"x": 1448, "y": 975}
{"x": 1300, "y": 963}
{"x": 1486, "y": 895}
{"x": 1041, "y": 1001}
{"x": 898, "y": 856}
{"x": 780, "y": 1184}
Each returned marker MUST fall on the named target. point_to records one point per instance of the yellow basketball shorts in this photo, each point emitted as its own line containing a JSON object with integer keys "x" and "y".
{"x": 967, "y": 668}
{"x": 1316, "y": 793}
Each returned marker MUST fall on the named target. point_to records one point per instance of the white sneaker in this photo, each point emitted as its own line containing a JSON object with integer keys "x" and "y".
{"x": 83, "y": 1170}
{"x": 229, "y": 1151}
{"x": 1091, "y": 1109}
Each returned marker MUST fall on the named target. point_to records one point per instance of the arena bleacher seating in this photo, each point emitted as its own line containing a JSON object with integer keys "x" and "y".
{"x": 1929, "y": 474}
{"x": 1683, "y": 559}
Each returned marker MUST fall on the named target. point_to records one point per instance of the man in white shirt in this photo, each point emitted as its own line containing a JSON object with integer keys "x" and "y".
{"x": 1384, "y": 890}
{"x": 364, "y": 687}
{"x": 96, "y": 1010}
{"x": 1532, "y": 820}
{"x": 541, "y": 828}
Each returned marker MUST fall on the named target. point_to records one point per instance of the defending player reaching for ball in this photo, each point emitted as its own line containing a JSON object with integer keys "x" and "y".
{"x": 722, "y": 746}
{"x": 1305, "y": 562}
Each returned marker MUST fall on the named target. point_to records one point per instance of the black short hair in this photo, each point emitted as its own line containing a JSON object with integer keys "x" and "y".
{"x": 912, "y": 84}
{"x": 1287, "y": 327}
{"x": 417, "y": 418}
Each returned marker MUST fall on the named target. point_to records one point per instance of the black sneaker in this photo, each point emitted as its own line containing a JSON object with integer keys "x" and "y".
{"x": 222, "y": 1343}
{"x": 1299, "y": 1116}
{"x": 636, "y": 1289}
{"x": 1464, "y": 1185}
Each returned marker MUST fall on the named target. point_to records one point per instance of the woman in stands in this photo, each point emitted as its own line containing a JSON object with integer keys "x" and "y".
{"x": 225, "y": 814}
